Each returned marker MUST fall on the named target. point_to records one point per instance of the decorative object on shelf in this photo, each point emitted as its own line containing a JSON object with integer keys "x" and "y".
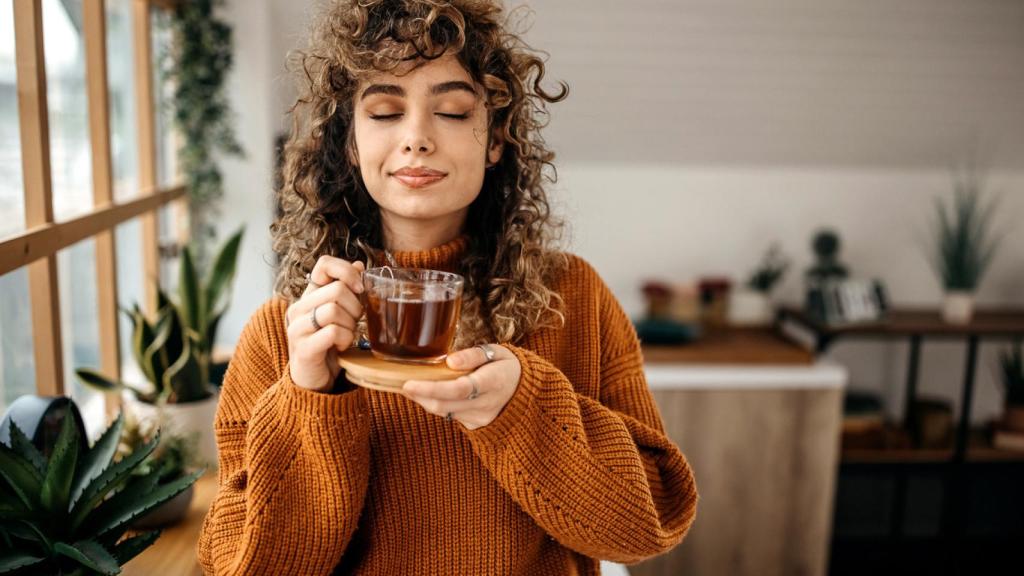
{"x": 66, "y": 509}
{"x": 933, "y": 423}
{"x": 964, "y": 246}
{"x": 1009, "y": 432}
{"x": 197, "y": 67}
{"x": 751, "y": 304}
{"x": 714, "y": 298}
{"x": 832, "y": 296}
{"x": 673, "y": 313}
{"x": 863, "y": 421}
{"x": 174, "y": 353}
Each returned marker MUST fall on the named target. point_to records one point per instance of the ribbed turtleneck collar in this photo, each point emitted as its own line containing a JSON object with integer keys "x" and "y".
{"x": 444, "y": 257}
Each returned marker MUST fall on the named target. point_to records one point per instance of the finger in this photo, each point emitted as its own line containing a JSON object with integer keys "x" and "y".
{"x": 326, "y": 314}
{"x": 443, "y": 407}
{"x": 337, "y": 292}
{"x": 330, "y": 268}
{"x": 458, "y": 389}
{"x": 472, "y": 358}
{"x": 318, "y": 343}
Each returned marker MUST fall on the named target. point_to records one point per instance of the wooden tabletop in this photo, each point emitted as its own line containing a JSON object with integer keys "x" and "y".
{"x": 746, "y": 346}
{"x": 174, "y": 553}
{"x": 924, "y": 321}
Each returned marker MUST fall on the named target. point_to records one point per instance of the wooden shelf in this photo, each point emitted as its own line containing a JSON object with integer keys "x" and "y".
{"x": 748, "y": 346}
{"x": 921, "y": 321}
{"x": 979, "y": 449}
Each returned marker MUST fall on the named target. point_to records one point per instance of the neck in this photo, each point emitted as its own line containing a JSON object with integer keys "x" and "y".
{"x": 402, "y": 235}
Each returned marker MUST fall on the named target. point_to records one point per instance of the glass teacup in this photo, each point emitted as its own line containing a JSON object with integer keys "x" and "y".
{"x": 412, "y": 314}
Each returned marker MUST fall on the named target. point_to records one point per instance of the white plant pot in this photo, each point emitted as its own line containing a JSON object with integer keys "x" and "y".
{"x": 183, "y": 420}
{"x": 958, "y": 307}
{"x": 750, "y": 308}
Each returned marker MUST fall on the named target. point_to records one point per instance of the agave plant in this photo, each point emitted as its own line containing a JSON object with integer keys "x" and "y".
{"x": 68, "y": 513}
{"x": 174, "y": 353}
{"x": 964, "y": 244}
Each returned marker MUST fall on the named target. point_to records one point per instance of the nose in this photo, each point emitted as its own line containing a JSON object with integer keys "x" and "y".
{"x": 418, "y": 137}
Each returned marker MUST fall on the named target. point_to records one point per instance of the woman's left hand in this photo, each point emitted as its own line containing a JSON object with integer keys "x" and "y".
{"x": 495, "y": 383}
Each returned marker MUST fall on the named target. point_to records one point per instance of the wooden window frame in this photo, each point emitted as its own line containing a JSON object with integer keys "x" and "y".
{"x": 36, "y": 248}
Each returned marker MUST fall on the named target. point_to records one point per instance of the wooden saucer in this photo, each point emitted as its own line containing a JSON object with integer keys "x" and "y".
{"x": 364, "y": 369}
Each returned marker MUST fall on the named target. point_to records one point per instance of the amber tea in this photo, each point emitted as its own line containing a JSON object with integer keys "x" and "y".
{"x": 412, "y": 315}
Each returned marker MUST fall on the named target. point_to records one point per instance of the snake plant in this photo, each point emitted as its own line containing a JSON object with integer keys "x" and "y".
{"x": 68, "y": 513}
{"x": 174, "y": 352}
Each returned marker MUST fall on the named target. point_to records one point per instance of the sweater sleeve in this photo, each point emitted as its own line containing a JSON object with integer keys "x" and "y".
{"x": 294, "y": 465}
{"x": 601, "y": 477}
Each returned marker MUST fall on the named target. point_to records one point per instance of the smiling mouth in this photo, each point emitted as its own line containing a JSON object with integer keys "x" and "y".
{"x": 418, "y": 181}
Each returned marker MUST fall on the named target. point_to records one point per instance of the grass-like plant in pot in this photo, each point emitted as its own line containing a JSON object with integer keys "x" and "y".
{"x": 964, "y": 246}
{"x": 1011, "y": 362}
{"x": 66, "y": 511}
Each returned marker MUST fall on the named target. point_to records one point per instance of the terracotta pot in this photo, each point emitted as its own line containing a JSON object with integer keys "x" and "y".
{"x": 958, "y": 307}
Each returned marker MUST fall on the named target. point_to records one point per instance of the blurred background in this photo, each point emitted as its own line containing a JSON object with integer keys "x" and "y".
{"x": 761, "y": 183}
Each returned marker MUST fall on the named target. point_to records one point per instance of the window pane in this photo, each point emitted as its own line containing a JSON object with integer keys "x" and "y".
{"x": 130, "y": 291}
{"x": 79, "y": 324}
{"x": 12, "y": 199}
{"x": 163, "y": 91}
{"x": 121, "y": 82}
{"x": 70, "y": 159}
{"x": 17, "y": 363}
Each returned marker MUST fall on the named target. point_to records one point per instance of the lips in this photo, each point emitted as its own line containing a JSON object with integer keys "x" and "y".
{"x": 418, "y": 176}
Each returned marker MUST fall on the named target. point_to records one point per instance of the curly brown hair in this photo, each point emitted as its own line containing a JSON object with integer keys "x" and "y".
{"x": 511, "y": 263}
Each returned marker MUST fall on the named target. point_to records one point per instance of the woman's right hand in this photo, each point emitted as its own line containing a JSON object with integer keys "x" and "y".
{"x": 333, "y": 294}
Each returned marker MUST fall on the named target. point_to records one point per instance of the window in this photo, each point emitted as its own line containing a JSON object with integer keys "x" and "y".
{"x": 60, "y": 289}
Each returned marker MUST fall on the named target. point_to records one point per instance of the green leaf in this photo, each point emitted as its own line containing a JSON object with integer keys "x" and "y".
{"x": 134, "y": 501}
{"x": 11, "y": 560}
{"x": 142, "y": 337}
{"x": 24, "y": 447}
{"x": 131, "y": 547}
{"x": 29, "y": 532}
{"x": 97, "y": 458}
{"x": 90, "y": 554}
{"x": 185, "y": 377}
{"x": 155, "y": 355}
{"x": 60, "y": 471}
{"x": 188, "y": 291}
{"x": 111, "y": 477}
{"x": 21, "y": 476}
{"x": 222, "y": 274}
{"x": 94, "y": 379}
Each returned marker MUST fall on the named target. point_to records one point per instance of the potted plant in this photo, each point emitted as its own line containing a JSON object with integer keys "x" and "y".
{"x": 1012, "y": 363}
{"x": 964, "y": 248}
{"x": 174, "y": 352}
{"x": 65, "y": 509}
{"x": 752, "y": 305}
{"x": 174, "y": 457}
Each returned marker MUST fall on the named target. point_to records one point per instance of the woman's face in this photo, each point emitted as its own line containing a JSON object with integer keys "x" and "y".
{"x": 421, "y": 141}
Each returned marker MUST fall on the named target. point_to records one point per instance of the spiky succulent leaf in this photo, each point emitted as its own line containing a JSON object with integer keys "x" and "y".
{"x": 97, "y": 458}
{"x": 112, "y": 477}
{"x": 26, "y": 449}
{"x": 90, "y": 554}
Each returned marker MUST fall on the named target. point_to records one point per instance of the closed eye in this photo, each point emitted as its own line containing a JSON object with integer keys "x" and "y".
{"x": 384, "y": 116}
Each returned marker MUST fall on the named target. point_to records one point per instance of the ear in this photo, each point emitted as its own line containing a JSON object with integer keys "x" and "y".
{"x": 494, "y": 150}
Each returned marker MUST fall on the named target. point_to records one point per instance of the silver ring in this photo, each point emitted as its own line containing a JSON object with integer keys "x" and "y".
{"x": 312, "y": 318}
{"x": 309, "y": 280}
{"x": 476, "y": 392}
{"x": 488, "y": 351}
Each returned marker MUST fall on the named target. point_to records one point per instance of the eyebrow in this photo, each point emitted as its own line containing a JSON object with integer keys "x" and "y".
{"x": 435, "y": 90}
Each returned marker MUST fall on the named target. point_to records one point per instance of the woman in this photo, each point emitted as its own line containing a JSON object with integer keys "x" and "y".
{"x": 417, "y": 144}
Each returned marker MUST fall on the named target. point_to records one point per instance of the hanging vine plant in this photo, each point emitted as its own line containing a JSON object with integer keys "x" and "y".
{"x": 197, "y": 65}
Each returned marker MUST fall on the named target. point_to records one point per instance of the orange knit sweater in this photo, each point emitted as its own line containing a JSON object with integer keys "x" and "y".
{"x": 576, "y": 467}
